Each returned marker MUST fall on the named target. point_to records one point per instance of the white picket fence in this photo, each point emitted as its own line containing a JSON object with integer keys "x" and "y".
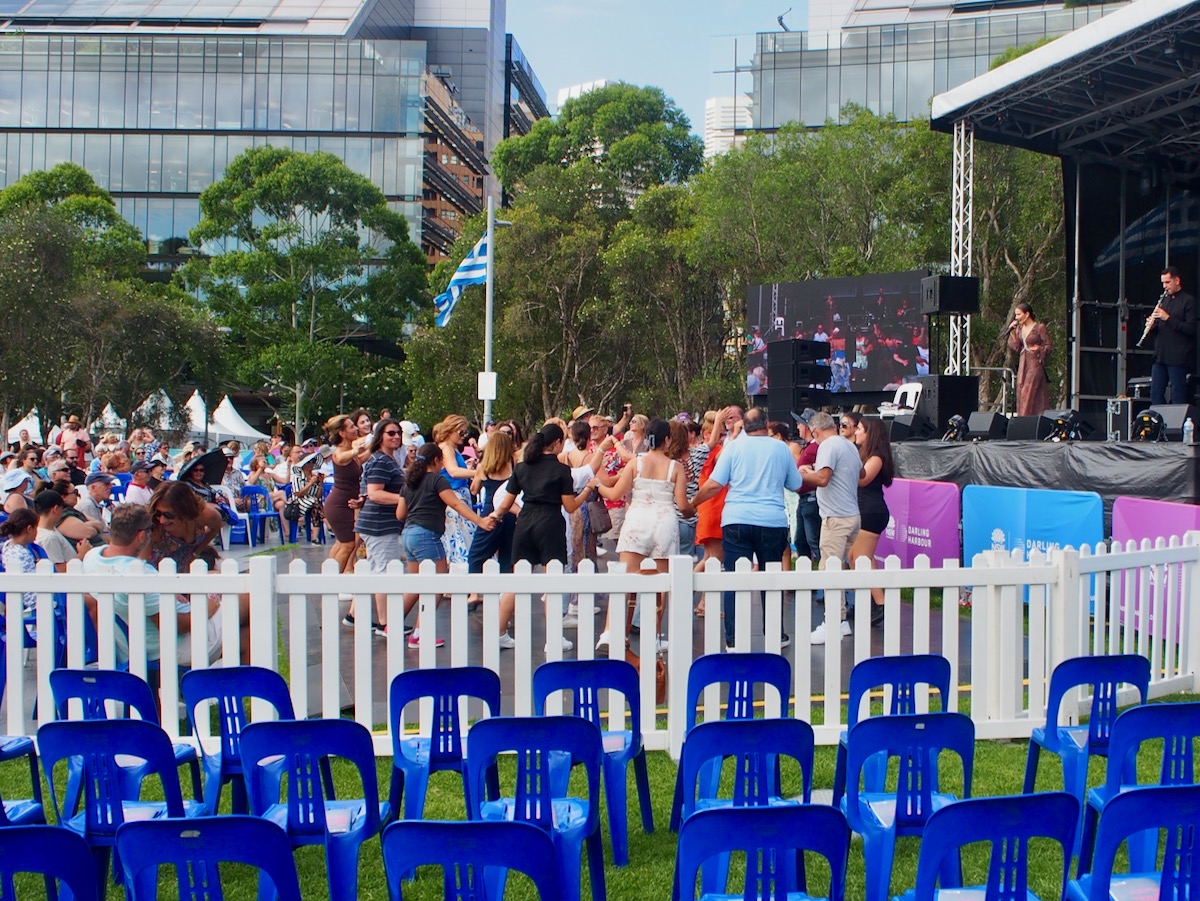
{"x": 1024, "y": 617}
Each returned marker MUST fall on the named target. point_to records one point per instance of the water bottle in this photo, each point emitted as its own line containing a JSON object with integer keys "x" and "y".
{"x": 1189, "y": 431}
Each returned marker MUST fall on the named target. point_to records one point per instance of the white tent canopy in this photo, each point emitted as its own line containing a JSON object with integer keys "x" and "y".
{"x": 227, "y": 423}
{"x": 197, "y": 415}
{"x": 31, "y": 423}
{"x": 156, "y": 408}
{"x": 109, "y": 421}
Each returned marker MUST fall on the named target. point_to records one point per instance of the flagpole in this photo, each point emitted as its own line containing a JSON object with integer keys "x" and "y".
{"x": 487, "y": 306}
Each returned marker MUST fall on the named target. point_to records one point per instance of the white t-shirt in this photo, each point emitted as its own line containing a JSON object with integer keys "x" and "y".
{"x": 58, "y": 549}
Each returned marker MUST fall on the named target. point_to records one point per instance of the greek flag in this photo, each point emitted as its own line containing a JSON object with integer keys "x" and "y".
{"x": 471, "y": 271}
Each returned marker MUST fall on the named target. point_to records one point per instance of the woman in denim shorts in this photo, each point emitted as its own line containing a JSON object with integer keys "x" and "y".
{"x": 424, "y": 499}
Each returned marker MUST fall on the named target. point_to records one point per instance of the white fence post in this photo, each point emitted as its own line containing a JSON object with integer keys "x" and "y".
{"x": 264, "y": 613}
{"x": 679, "y": 650}
{"x": 1190, "y": 629}
{"x": 1068, "y": 618}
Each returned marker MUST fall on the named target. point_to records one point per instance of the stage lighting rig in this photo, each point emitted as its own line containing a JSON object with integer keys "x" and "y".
{"x": 956, "y": 429}
{"x": 1148, "y": 426}
{"x": 1066, "y": 425}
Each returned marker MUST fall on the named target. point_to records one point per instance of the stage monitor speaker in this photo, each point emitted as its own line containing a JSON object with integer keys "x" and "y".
{"x": 943, "y": 396}
{"x": 987, "y": 427}
{"x": 944, "y": 294}
{"x": 908, "y": 427}
{"x": 1173, "y": 416}
{"x": 1029, "y": 428}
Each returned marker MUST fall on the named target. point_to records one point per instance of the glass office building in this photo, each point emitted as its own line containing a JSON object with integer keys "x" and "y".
{"x": 155, "y": 97}
{"x": 891, "y": 69}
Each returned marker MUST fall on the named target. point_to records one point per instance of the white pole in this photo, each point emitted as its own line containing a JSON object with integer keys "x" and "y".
{"x": 487, "y": 316}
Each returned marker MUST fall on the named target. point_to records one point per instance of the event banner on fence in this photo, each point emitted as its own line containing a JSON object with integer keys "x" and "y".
{"x": 924, "y": 520}
{"x": 1135, "y": 518}
{"x": 1004, "y": 519}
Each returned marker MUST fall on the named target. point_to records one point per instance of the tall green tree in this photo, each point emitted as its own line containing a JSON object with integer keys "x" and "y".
{"x": 636, "y": 133}
{"x": 301, "y": 255}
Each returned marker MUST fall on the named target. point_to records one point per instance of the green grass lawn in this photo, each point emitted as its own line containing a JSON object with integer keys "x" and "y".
{"x": 998, "y": 769}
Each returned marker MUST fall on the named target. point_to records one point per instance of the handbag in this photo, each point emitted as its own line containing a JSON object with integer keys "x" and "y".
{"x": 291, "y": 510}
{"x": 660, "y": 662}
{"x": 599, "y": 519}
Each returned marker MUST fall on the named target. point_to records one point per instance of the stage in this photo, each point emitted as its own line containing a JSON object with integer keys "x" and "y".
{"x": 1164, "y": 471}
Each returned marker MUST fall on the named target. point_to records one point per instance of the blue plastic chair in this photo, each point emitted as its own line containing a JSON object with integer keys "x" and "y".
{"x": 1006, "y": 824}
{"x": 570, "y": 822}
{"x": 94, "y": 687}
{"x": 57, "y": 854}
{"x": 1075, "y": 744}
{"x": 881, "y": 816}
{"x": 106, "y": 802}
{"x": 903, "y": 673}
{"x": 260, "y": 510}
{"x": 771, "y": 838}
{"x": 1176, "y": 727}
{"x": 415, "y": 759}
{"x": 195, "y": 848}
{"x": 311, "y": 815}
{"x": 740, "y": 673}
{"x": 1176, "y": 809}
{"x": 585, "y": 679}
{"x": 229, "y": 687}
{"x": 24, "y": 811}
{"x": 465, "y": 852}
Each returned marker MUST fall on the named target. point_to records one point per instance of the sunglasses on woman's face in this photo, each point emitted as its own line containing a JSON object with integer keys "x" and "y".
{"x": 390, "y": 434}
{"x": 165, "y": 514}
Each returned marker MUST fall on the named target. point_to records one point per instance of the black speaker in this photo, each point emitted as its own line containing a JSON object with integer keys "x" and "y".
{"x": 1029, "y": 428}
{"x": 810, "y": 374}
{"x": 942, "y": 294}
{"x": 1173, "y": 416}
{"x": 779, "y": 373}
{"x": 779, "y": 396}
{"x": 987, "y": 427}
{"x": 797, "y": 350}
{"x": 943, "y": 396}
{"x": 908, "y": 427}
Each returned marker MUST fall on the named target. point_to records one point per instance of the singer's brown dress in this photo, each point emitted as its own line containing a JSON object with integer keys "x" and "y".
{"x": 1033, "y": 387}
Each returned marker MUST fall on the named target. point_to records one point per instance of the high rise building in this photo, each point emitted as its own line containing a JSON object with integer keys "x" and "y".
{"x": 578, "y": 90}
{"x": 155, "y": 97}
{"x": 725, "y": 122}
{"x": 889, "y": 58}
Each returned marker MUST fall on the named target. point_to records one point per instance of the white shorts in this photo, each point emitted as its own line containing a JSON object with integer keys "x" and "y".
{"x": 214, "y": 643}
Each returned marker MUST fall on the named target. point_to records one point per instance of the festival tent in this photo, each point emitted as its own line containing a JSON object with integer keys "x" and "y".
{"x": 228, "y": 423}
{"x": 156, "y": 410}
{"x": 197, "y": 416}
{"x": 31, "y": 423}
{"x": 109, "y": 421}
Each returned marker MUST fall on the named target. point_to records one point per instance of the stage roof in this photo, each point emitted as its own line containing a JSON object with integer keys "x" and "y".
{"x": 1124, "y": 89}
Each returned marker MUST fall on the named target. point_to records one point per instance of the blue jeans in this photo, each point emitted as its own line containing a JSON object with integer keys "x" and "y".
{"x": 1160, "y": 374}
{"x": 808, "y": 527}
{"x": 764, "y": 544}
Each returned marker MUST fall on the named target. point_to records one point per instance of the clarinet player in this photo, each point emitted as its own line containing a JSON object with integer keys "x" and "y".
{"x": 1173, "y": 324}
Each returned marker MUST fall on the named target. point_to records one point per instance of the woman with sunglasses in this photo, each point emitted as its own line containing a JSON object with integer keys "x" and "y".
{"x": 451, "y": 435}
{"x": 382, "y": 479}
{"x": 183, "y": 527}
{"x": 343, "y": 501}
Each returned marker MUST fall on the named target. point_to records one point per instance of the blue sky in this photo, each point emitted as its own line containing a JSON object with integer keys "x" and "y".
{"x": 666, "y": 43}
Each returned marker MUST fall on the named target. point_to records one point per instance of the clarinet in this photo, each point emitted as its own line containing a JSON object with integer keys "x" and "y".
{"x": 1150, "y": 325}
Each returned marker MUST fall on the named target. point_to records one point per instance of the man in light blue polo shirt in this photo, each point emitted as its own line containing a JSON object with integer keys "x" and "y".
{"x": 754, "y": 525}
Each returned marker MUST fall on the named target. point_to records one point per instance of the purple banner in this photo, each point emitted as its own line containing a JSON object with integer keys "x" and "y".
{"x": 1137, "y": 518}
{"x": 925, "y": 517}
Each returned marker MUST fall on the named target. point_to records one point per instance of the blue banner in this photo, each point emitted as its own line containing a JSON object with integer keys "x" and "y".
{"x": 1004, "y": 519}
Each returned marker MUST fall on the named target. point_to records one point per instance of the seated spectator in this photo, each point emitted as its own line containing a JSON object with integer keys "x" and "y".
{"x": 184, "y": 527}
{"x": 18, "y": 532}
{"x": 73, "y": 455}
{"x": 49, "y": 506}
{"x": 74, "y": 525}
{"x": 139, "y": 490}
{"x": 158, "y": 472}
{"x": 132, "y": 531}
{"x": 233, "y": 480}
{"x": 96, "y": 496}
{"x": 58, "y": 473}
{"x": 15, "y": 485}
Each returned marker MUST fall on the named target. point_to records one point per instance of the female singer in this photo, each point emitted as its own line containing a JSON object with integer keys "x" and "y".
{"x": 1029, "y": 338}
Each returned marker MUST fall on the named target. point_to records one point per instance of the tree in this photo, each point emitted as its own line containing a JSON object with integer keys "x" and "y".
{"x": 292, "y": 272}
{"x": 637, "y": 134}
{"x": 37, "y": 246}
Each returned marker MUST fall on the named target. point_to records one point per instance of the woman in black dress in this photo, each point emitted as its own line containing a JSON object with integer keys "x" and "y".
{"x": 875, "y": 449}
{"x": 349, "y": 454}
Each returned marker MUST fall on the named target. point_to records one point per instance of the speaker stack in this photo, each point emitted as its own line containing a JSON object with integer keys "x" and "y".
{"x": 1173, "y": 417}
{"x": 943, "y": 396}
{"x": 796, "y": 377}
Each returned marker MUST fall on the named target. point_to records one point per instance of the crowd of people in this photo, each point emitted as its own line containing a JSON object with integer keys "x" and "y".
{"x": 728, "y": 485}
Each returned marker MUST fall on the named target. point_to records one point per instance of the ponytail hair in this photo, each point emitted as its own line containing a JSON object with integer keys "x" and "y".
{"x": 426, "y": 454}
{"x": 20, "y": 520}
{"x": 542, "y": 439}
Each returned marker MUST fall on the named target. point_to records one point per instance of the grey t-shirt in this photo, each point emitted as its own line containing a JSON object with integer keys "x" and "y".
{"x": 840, "y": 496}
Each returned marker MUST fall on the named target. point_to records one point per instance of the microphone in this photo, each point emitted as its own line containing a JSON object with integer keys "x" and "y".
{"x": 1012, "y": 325}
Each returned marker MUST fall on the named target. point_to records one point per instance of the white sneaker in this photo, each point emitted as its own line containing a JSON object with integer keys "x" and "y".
{"x": 818, "y": 635}
{"x": 570, "y": 621}
{"x": 602, "y": 641}
{"x": 573, "y": 609}
{"x": 567, "y": 644}
{"x": 507, "y": 642}
{"x": 845, "y": 628}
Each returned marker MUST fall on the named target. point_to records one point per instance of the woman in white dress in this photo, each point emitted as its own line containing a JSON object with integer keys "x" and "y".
{"x": 651, "y": 528}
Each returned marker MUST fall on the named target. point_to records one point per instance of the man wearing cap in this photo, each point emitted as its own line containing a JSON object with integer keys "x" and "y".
{"x": 138, "y": 491}
{"x": 157, "y": 470}
{"x": 233, "y": 481}
{"x": 97, "y": 493}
